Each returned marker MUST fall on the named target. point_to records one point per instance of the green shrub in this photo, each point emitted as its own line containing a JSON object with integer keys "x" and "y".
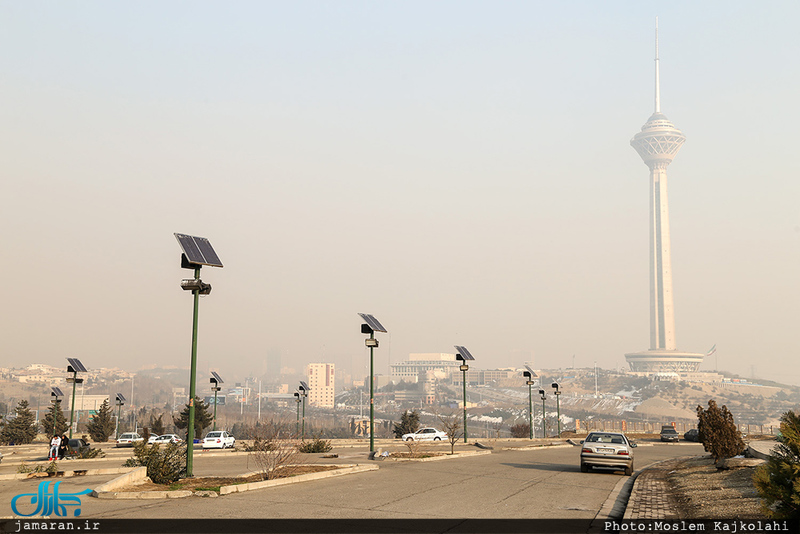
{"x": 164, "y": 466}
{"x": 718, "y": 432}
{"x": 778, "y": 481}
{"x": 318, "y": 445}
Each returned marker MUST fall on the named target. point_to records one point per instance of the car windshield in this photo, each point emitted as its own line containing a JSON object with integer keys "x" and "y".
{"x": 605, "y": 438}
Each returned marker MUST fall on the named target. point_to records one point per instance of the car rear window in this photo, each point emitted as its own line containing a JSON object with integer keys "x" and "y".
{"x": 214, "y": 435}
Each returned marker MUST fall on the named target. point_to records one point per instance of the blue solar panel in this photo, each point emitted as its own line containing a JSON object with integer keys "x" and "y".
{"x": 198, "y": 250}
{"x": 463, "y": 353}
{"x": 372, "y": 322}
{"x": 76, "y": 364}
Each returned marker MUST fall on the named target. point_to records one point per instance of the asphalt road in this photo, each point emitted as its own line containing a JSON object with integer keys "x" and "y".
{"x": 506, "y": 484}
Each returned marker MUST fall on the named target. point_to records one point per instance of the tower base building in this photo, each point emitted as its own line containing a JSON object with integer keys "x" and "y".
{"x": 664, "y": 361}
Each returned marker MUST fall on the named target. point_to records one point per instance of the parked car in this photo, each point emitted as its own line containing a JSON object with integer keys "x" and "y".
{"x": 692, "y": 435}
{"x": 167, "y": 438}
{"x": 607, "y": 449}
{"x": 668, "y": 433}
{"x": 78, "y": 444}
{"x": 152, "y": 439}
{"x": 218, "y": 439}
{"x": 129, "y": 439}
{"x": 425, "y": 434}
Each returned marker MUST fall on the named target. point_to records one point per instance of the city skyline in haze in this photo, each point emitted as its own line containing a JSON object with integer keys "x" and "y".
{"x": 460, "y": 170}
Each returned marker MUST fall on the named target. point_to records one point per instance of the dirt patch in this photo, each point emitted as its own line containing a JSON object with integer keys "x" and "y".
{"x": 214, "y": 483}
{"x": 700, "y": 490}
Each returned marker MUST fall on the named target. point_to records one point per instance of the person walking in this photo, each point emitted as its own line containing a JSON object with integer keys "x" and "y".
{"x": 63, "y": 447}
{"x": 54, "y": 444}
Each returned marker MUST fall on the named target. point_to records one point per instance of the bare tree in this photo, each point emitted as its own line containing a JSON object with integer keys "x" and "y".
{"x": 275, "y": 449}
{"x": 452, "y": 427}
{"x": 498, "y": 426}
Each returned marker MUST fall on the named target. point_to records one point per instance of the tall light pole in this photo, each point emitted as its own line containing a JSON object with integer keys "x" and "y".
{"x": 558, "y": 406}
{"x": 197, "y": 251}
{"x": 304, "y": 389}
{"x": 120, "y": 402}
{"x": 544, "y": 413}
{"x": 297, "y": 398}
{"x": 75, "y": 366}
{"x": 370, "y": 326}
{"x": 464, "y": 355}
{"x": 529, "y": 374}
{"x": 215, "y": 382}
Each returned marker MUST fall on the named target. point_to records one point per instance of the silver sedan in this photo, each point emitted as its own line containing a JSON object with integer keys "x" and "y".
{"x": 607, "y": 449}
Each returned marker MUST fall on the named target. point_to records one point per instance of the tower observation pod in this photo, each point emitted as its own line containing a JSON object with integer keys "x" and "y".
{"x": 658, "y": 144}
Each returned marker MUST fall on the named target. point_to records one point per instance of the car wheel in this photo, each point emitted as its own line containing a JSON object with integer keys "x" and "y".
{"x": 409, "y": 439}
{"x": 584, "y": 468}
{"x": 437, "y": 439}
{"x": 629, "y": 470}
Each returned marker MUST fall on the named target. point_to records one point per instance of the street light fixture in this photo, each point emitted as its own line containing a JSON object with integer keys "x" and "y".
{"x": 544, "y": 413}
{"x": 75, "y": 366}
{"x": 530, "y": 375}
{"x": 304, "y": 389}
{"x": 55, "y": 392}
{"x": 558, "y": 406}
{"x": 120, "y": 402}
{"x": 297, "y": 398}
{"x": 464, "y": 355}
{"x": 370, "y": 326}
{"x": 215, "y": 382}
{"x": 197, "y": 251}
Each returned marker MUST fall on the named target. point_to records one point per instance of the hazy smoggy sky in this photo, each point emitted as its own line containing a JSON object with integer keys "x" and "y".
{"x": 461, "y": 170}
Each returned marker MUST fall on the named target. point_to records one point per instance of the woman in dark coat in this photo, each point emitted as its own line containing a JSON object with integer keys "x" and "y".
{"x": 63, "y": 447}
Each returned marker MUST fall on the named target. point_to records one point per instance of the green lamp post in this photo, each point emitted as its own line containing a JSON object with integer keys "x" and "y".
{"x": 544, "y": 413}
{"x": 464, "y": 356}
{"x": 529, "y": 382}
{"x": 215, "y": 382}
{"x": 558, "y": 406}
{"x": 370, "y": 326}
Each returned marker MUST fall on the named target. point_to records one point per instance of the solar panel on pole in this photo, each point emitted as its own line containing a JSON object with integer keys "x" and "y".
{"x": 372, "y": 322}
{"x": 57, "y": 392}
{"x": 464, "y": 353}
{"x": 532, "y": 372}
{"x": 77, "y": 365}
{"x": 198, "y": 250}
{"x": 304, "y": 386}
{"x": 120, "y": 397}
{"x": 217, "y": 377}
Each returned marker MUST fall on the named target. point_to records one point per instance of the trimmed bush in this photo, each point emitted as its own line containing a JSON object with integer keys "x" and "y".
{"x": 164, "y": 466}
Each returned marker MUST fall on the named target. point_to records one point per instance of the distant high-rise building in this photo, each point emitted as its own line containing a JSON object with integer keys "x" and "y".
{"x": 321, "y": 383}
{"x": 657, "y": 144}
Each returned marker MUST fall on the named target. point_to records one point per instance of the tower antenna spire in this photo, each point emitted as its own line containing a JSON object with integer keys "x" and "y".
{"x": 658, "y": 80}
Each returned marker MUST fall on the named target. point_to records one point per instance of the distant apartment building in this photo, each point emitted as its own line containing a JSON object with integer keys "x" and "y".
{"x": 321, "y": 383}
{"x": 441, "y": 364}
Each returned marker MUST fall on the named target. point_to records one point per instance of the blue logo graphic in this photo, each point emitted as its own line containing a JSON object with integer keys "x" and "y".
{"x": 48, "y": 503}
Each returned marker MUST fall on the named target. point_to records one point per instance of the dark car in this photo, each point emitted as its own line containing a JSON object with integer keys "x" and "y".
{"x": 692, "y": 435}
{"x": 668, "y": 433}
{"x": 78, "y": 444}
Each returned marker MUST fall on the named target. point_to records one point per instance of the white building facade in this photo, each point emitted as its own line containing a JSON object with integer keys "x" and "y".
{"x": 321, "y": 381}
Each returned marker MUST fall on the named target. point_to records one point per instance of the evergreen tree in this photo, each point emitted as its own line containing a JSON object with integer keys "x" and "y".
{"x": 22, "y": 429}
{"x": 61, "y": 421}
{"x": 102, "y": 424}
{"x": 157, "y": 425}
{"x": 409, "y": 422}
{"x": 778, "y": 482}
{"x": 718, "y": 432}
{"x": 202, "y": 418}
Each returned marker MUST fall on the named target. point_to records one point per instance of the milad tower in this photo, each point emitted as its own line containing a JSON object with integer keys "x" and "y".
{"x": 657, "y": 144}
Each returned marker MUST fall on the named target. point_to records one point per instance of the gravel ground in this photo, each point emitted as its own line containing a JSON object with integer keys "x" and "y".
{"x": 701, "y": 491}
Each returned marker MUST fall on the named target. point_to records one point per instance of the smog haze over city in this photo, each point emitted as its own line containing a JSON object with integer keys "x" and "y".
{"x": 461, "y": 170}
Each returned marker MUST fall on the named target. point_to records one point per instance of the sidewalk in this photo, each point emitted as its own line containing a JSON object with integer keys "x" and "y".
{"x": 651, "y": 497}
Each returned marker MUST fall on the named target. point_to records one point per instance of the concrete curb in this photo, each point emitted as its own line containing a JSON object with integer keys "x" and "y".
{"x": 239, "y": 488}
{"x": 442, "y": 457}
{"x": 756, "y": 453}
{"x": 135, "y": 475}
{"x": 67, "y": 474}
{"x": 538, "y": 447}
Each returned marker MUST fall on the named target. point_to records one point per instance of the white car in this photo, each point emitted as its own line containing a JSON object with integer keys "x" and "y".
{"x": 167, "y": 438}
{"x": 152, "y": 439}
{"x": 218, "y": 439}
{"x": 425, "y": 434}
{"x": 129, "y": 439}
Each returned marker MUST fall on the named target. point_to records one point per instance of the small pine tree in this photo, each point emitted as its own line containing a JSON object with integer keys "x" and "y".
{"x": 102, "y": 424}
{"x": 202, "y": 418}
{"x": 778, "y": 481}
{"x": 22, "y": 429}
{"x": 157, "y": 425}
{"x": 409, "y": 422}
{"x": 61, "y": 425}
{"x": 718, "y": 432}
